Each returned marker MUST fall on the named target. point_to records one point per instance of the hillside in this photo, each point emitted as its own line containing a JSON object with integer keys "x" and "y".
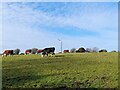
{"x": 84, "y": 70}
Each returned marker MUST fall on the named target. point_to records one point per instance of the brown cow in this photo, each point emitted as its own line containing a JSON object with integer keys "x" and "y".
{"x": 39, "y": 51}
{"x": 28, "y": 51}
{"x": 66, "y": 51}
{"x": 8, "y": 52}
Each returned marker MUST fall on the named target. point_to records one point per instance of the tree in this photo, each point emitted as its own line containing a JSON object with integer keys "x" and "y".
{"x": 73, "y": 50}
{"x": 34, "y": 50}
{"x": 81, "y": 50}
{"x": 88, "y": 50}
{"x": 103, "y": 50}
{"x": 95, "y": 49}
{"x": 16, "y": 51}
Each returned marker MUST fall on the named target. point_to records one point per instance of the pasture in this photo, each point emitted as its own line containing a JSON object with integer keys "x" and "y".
{"x": 74, "y": 70}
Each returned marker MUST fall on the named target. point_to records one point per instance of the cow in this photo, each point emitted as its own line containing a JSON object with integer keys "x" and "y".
{"x": 8, "y": 52}
{"x": 39, "y": 51}
{"x": 47, "y": 51}
{"x": 66, "y": 51}
{"x": 28, "y": 51}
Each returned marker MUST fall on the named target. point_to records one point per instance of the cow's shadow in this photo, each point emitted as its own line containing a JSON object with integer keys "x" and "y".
{"x": 25, "y": 81}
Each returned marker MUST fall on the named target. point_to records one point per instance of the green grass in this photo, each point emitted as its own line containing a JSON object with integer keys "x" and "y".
{"x": 84, "y": 70}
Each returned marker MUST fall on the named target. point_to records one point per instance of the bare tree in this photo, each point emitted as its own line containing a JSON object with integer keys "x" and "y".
{"x": 16, "y": 51}
{"x": 34, "y": 50}
{"x": 88, "y": 50}
{"x": 73, "y": 50}
{"x": 95, "y": 49}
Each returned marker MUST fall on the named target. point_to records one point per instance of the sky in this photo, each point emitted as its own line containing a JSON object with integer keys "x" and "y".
{"x": 59, "y": 0}
{"x": 27, "y": 25}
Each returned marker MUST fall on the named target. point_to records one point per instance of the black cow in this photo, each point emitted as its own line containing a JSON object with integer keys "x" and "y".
{"x": 47, "y": 51}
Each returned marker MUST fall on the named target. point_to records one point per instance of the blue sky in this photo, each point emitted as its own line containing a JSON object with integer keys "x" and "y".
{"x": 78, "y": 24}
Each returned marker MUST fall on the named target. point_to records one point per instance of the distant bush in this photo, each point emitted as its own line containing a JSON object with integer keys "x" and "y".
{"x": 103, "y": 50}
{"x": 81, "y": 50}
{"x": 34, "y": 50}
{"x": 113, "y": 51}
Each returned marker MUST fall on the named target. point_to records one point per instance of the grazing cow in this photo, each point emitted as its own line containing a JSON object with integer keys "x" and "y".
{"x": 8, "y": 52}
{"x": 47, "y": 51}
{"x": 66, "y": 51}
{"x": 39, "y": 51}
{"x": 28, "y": 51}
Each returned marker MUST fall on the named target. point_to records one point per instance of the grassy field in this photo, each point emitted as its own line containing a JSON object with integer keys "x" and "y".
{"x": 84, "y": 70}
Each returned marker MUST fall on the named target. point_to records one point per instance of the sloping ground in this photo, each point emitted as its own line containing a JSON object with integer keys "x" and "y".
{"x": 84, "y": 70}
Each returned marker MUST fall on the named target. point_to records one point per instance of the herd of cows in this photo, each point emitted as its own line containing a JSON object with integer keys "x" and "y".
{"x": 44, "y": 52}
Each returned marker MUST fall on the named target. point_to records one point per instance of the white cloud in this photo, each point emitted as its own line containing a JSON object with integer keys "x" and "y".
{"x": 20, "y": 31}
